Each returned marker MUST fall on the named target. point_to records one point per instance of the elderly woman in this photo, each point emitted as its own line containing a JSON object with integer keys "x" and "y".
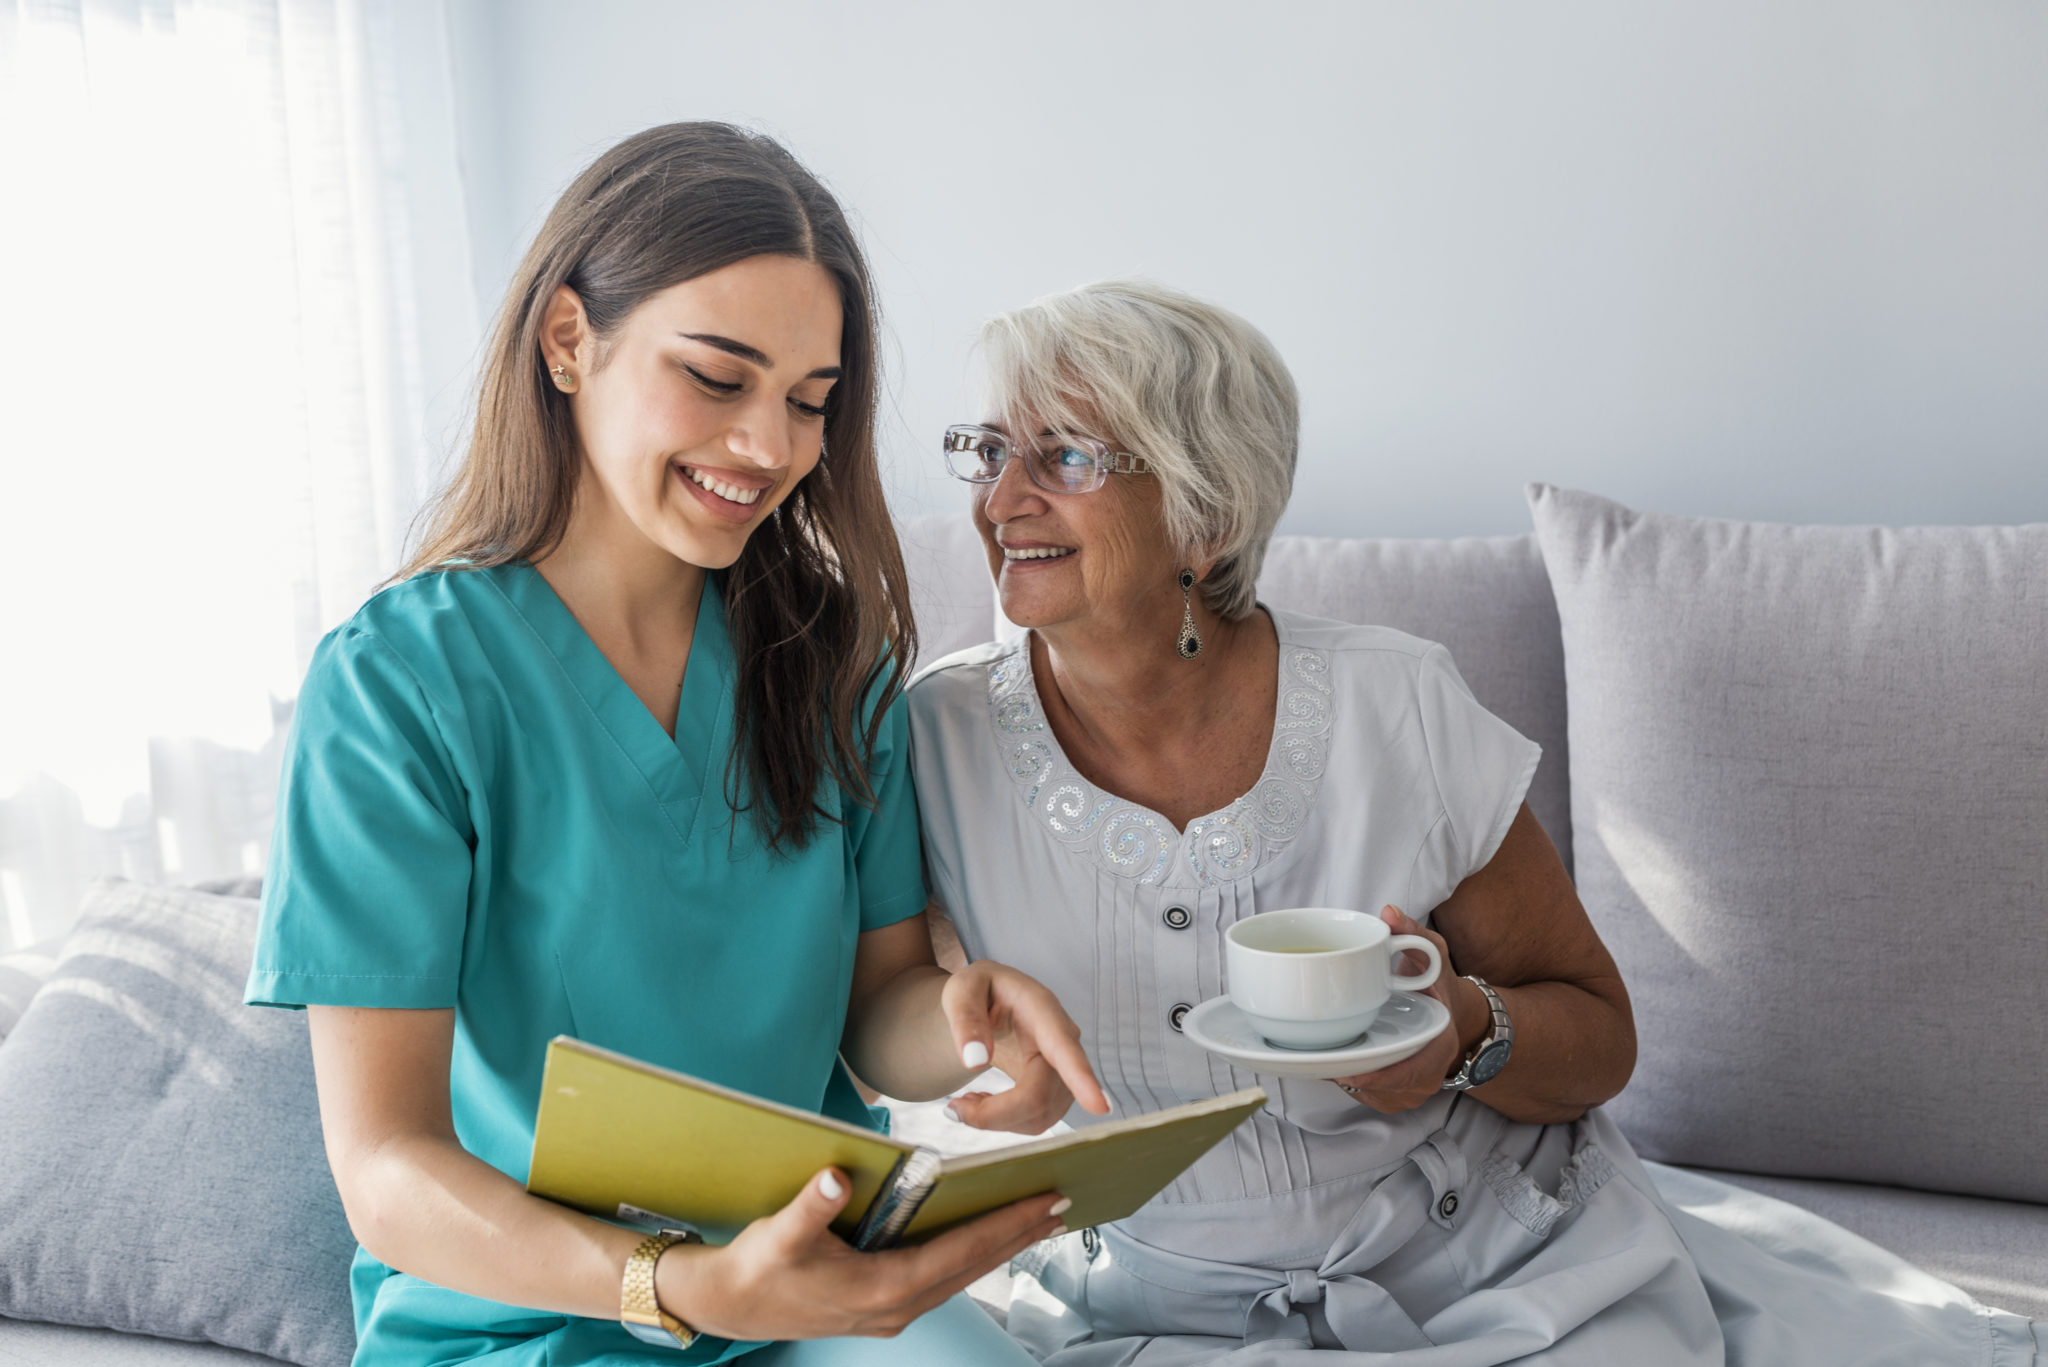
{"x": 1159, "y": 756}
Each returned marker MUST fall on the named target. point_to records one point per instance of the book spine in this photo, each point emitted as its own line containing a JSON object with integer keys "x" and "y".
{"x": 909, "y": 1184}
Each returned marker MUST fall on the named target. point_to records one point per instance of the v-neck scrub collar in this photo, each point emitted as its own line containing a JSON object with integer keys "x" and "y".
{"x": 678, "y": 769}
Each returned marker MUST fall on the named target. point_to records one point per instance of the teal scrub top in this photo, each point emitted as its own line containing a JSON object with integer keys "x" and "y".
{"x": 477, "y": 812}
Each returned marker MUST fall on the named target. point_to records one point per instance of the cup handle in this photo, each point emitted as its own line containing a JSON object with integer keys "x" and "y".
{"x": 1414, "y": 982}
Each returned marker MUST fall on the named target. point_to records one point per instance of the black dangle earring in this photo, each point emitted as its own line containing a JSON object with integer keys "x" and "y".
{"x": 1190, "y": 639}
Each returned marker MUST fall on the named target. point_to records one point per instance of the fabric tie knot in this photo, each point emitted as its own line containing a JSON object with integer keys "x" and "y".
{"x": 1364, "y": 1318}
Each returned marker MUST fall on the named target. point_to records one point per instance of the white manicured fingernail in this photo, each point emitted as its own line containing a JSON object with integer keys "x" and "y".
{"x": 1061, "y": 1206}
{"x": 954, "y": 1115}
{"x": 829, "y": 1187}
{"x": 975, "y": 1055}
{"x": 1057, "y": 1230}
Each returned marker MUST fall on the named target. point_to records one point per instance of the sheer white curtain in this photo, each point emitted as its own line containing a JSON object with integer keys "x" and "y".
{"x": 214, "y": 433}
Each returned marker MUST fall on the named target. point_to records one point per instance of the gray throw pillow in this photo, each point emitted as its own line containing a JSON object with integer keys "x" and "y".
{"x": 1809, "y": 785}
{"x": 163, "y": 1171}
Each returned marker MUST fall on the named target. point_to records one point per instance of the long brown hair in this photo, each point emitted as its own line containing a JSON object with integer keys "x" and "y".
{"x": 817, "y": 604}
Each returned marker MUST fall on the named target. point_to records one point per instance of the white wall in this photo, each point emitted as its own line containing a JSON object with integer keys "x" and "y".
{"x": 1749, "y": 258}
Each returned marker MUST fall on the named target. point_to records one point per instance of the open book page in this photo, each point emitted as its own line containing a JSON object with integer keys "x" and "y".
{"x": 1107, "y": 1170}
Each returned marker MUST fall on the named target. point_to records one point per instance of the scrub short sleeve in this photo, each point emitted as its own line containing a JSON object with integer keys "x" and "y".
{"x": 367, "y": 893}
{"x": 887, "y": 855}
{"x": 1482, "y": 768}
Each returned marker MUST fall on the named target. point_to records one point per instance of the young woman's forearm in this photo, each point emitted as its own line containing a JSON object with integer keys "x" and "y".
{"x": 422, "y": 1204}
{"x": 897, "y": 1041}
{"x": 427, "y": 1207}
{"x": 916, "y": 1032}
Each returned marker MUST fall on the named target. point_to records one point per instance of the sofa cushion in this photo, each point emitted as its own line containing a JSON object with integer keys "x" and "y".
{"x": 1486, "y": 599}
{"x": 1809, "y": 788}
{"x": 1995, "y": 1250}
{"x": 164, "y": 1172}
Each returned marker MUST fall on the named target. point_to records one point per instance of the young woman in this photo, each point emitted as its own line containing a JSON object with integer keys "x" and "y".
{"x": 622, "y": 755}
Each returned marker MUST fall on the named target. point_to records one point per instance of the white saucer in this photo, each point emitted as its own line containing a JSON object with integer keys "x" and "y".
{"x": 1408, "y": 1021}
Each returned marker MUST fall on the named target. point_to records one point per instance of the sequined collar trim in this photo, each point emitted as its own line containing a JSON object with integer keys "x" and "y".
{"x": 1136, "y": 842}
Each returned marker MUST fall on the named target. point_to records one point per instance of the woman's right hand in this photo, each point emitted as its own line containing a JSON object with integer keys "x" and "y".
{"x": 788, "y": 1276}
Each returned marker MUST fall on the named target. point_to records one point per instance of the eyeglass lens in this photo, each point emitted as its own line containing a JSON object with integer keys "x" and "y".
{"x": 1069, "y": 465}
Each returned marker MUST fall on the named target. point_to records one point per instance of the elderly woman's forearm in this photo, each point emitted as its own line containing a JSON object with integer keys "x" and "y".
{"x": 1575, "y": 1048}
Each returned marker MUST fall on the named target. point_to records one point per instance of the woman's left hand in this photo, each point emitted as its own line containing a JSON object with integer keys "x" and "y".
{"x": 1010, "y": 1020}
{"x": 1414, "y": 1080}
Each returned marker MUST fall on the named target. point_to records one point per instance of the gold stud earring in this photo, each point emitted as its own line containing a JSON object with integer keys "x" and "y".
{"x": 562, "y": 380}
{"x": 1190, "y": 644}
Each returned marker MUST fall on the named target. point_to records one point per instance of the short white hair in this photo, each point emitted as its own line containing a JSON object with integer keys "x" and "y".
{"x": 1194, "y": 389}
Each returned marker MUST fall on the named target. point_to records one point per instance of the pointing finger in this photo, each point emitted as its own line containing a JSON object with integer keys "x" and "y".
{"x": 1053, "y": 1033}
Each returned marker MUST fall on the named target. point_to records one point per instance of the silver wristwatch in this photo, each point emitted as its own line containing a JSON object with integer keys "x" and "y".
{"x": 1490, "y": 1055}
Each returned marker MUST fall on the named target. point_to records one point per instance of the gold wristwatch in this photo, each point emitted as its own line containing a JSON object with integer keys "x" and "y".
{"x": 639, "y": 1309}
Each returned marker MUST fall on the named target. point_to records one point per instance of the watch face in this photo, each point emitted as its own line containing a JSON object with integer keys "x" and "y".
{"x": 1491, "y": 1060}
{"x": 654, "y": 1334}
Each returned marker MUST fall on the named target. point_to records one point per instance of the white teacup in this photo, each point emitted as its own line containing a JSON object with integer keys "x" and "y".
{"x": 1316, "y": 977}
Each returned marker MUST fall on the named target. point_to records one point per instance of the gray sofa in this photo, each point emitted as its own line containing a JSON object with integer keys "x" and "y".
{"x": 1801, "y": 776}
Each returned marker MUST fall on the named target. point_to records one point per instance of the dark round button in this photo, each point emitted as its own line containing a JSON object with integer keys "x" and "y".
{"x": 1448, "y": 1206}
{"x": 1178, "y": 1014}
{"x": 1091, "y": 1242}
{"x": 1177, "y": 918}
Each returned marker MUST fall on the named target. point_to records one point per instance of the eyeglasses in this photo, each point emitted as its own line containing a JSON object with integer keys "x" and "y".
{"x": 1056, "y": 464}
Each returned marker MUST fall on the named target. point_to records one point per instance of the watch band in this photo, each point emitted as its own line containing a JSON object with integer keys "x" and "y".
{"x": 1496, "y": 1047}
{"x": 640, "y": 1309}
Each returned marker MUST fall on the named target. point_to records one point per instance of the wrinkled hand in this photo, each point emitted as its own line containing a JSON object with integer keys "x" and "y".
{"x": 788, "y": 1276}
{"x": 1001, "y": 1016}
{"x": 1414, "y": 1080}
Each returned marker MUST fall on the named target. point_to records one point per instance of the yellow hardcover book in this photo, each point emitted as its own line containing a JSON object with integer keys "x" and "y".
{"x": 628, "y": 1141}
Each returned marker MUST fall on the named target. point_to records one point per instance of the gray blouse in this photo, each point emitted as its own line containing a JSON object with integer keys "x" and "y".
{"x": 1386, "y": 782}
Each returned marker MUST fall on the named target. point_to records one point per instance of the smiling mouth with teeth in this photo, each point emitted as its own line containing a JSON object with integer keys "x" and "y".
{"x": 730, "y": 493}
{"x": 1037, "y": 553}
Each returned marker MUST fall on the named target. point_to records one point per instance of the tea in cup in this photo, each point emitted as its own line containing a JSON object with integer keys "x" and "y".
{"x": 1316, "y": 977}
